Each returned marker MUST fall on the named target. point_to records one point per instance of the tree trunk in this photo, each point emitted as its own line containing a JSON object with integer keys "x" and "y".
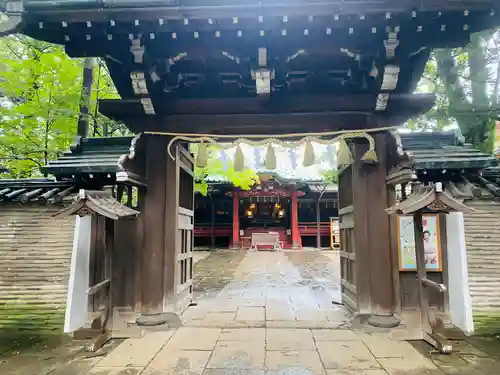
{"x": 481, "y": 133}
{"x": 471, "y": 116}
{"x": 88, "y": 78}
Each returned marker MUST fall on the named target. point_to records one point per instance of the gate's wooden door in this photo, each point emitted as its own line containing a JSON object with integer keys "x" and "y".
{"x": 185, "y": 223}
{"x": 347, "y": 245}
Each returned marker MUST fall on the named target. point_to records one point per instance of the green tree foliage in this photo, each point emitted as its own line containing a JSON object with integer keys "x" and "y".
{"x": 215, "y": 168}
{"x": 330, "y": 176}
{"x": 466, "y": 83}
{"x": 41, "y": 90}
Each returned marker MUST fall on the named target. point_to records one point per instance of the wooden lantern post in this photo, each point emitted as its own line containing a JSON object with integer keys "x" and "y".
{"x": 432, "y": 198}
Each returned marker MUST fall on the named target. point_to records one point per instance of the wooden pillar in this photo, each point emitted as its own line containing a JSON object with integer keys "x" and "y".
{"x": 374, "y": 266}
{"x": 171, "y": 233}
{"x": 153, "y": 212}
{"x": 379, "y": 240}
{"x": 236, "y": 220}
{"x": 360, "y": 201}
{"x": 296, "y": 241}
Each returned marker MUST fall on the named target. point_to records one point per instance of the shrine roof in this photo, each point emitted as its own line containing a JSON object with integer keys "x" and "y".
{"x": 36, "y": 190}
{"x": 431, "y": 151}
{"x": 444, "y": 150}
{"x": 99, "y": 156}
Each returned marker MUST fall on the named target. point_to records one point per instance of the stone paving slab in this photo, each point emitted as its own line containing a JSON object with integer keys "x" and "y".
{"x": 238, "y": 355}
{"x": 307, "y": 361}
{"x": 382, "y": 346}
{"x": 221, "y": 317}
{"x": 115, "y": 371}
{"x": 409, "y": 366}
{"x": 246, "y": 313}
{"x": 187, "y": 338}
{"x": 136, "y": 352}
{"x": 279, "y": 313}
{"x": 234, "y": 372}
{"x": 79, "y": 366}
{"x": 356, "y": 372}
{"x": 335, "y": 335}
{"x": 289, "y": 339}
{"x": 311, "y": 315}
{"x": 244, "y": 334}
{"x": 178, "y": 362}
{"x": 346, "y": 355}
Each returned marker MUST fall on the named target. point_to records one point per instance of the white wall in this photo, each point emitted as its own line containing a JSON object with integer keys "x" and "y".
{"x": 458, "y": 278}
{"x": 77, "y": 301}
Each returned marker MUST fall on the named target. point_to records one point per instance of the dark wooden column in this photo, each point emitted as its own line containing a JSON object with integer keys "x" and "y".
{"x": 372, "y": 231}
{"x": 380, "y": 241}
{"x": 360, "y": 201}
{"x": 153, "y": 212}
{"x": 170, "y": 228}
{"x": 236, "y": 220}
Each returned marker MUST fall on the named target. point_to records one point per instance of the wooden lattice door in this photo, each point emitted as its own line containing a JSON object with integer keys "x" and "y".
{"x": 185, "y": 224}
{"x": 347, "y": 243}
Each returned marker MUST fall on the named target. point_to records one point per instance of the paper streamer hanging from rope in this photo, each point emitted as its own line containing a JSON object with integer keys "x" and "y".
{"x": 309, "y": 158}
{"x": 224, "y": 159}
{"x": 326, "y": 138}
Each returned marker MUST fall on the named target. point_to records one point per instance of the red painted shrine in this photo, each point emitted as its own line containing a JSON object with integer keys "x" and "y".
{"x": 228, "y": 216}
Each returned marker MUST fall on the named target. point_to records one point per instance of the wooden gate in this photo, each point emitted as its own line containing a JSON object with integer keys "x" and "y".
{"x": 347, "y": 245}
{"x": 183, "y": 283}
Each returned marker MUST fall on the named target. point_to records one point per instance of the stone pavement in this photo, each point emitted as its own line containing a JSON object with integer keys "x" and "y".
{"x": 271, "y": 313}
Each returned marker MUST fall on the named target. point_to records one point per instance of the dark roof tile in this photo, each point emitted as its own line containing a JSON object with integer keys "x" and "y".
{"x": 38, "y": 190}
{"x": 444, "y": 150}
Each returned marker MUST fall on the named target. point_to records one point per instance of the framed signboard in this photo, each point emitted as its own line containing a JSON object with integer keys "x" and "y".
{"x": 334, "y": 233}
{"x": 406, "y": 243}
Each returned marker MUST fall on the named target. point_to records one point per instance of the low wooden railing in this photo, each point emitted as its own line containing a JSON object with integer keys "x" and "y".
{"x": 310, "y": 228}
{"x": 206, "y": 231}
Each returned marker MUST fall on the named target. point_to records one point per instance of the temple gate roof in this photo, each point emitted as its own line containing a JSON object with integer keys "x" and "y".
{"x": 202, "y": 66}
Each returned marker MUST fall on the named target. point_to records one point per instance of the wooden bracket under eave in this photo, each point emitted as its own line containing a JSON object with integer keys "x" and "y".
{"x": 400, "y": 175}
{"x": 130, "y": 178}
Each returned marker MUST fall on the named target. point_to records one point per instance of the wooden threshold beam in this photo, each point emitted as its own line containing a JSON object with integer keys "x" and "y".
{"x": 254, "y": 116}
{"x": 278, "y": 104}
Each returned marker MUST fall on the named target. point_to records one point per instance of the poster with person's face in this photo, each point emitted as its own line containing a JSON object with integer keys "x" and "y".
{"x": 406, "y": 243}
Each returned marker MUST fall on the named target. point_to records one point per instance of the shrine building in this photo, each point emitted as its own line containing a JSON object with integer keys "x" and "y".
{"x": 228, "y": 216}
{"x": 210, "y": 72}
